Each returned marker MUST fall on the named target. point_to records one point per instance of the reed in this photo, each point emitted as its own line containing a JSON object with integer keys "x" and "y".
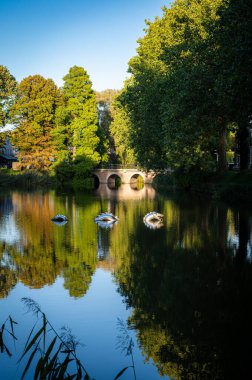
{"x": 52, "y": 355}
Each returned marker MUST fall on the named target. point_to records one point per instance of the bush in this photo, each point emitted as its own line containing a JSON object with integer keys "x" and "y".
{"x": 64, "y": 172}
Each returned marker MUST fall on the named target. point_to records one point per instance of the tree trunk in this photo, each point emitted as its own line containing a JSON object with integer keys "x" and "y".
{"x": 243, "y": 138}
{"x": 222, "y": 149}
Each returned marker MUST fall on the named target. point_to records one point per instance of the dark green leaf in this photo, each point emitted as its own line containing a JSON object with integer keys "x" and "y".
{"x": 32, "y": 342}
{"x": 49, "y": 350}
{"x": 44, "y": 325}
{"x": 1, "y": 342}
{"x": 30, "y": 335}
{"x": 66, "y": 351}
{"x": 7, "y": 350}
{"x": 64, "y": 366}
{"x": 13, "y": 336}
{"x": 121, "y": 372}
{"x": 30, "y": 360}
{"x": 53, "y": 362}
{"x": 39, "y": 366}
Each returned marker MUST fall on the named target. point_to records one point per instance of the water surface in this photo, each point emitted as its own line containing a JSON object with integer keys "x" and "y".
{"x": 183, "y": 290}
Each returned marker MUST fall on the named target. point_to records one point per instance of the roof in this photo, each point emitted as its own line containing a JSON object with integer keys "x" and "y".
{"x": 7, "y": 157}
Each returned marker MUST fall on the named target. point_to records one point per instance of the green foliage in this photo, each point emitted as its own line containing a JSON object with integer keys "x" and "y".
{"x": 120, "y": 132}
{"x": 64, "y": 171}
{"x": 233, "y": 34}
{"x": 76, "y": 132}
{"x": 26, "y": 179}
{"x": 182, "y": 98}
{"x": 8, "y": 86}
{"x": 45, "y": 254}
{"x": 166, "y": 98}
{"x": 106, "y": 146}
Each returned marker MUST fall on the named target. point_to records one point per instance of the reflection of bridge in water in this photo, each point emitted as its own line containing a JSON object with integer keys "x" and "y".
{"x": 122, "y": 193}
{"x": 126, "y": 191}
{"x": 126, "y": 175}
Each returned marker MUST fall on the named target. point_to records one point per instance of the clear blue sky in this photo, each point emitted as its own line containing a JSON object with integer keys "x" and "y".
{"x": 47, "y": 37}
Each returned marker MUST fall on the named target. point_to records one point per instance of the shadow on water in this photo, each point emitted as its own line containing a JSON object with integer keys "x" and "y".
{"x": 190, "y": 291}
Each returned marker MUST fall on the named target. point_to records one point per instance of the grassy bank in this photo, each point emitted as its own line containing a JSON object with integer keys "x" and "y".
{"x": 35, "y": 180}
{"x": 24, "y": 179}
{"x": 230, "y": 185}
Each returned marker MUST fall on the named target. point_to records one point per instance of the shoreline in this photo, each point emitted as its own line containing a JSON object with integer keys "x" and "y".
{"x": 228, "y": 186}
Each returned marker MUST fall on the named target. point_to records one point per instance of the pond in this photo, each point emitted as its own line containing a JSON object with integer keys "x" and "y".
{"x": 181, "y": 292}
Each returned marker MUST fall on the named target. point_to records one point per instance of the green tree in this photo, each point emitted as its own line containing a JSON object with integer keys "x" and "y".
{"x": 8, "y": 86}
{"x": 34, "y": 116}
{"x": 79, "y": 146}
{"x": 170, "y": 99}
{"x": 120, "y": 132}
{"x": 107, "y": 145}
{"x": 233, "y": 33}
{"x": 82, "y": 110}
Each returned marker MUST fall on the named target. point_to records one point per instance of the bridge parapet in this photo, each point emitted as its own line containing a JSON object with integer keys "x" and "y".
{"x": 127, "y": 175}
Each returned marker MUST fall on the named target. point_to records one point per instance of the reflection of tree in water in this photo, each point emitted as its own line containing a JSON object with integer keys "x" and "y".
{"x": 8, "y": 277}
{"x": 191, "y": 295}
{"x": 77, "y": 280}
{"x": 46, "y": 251}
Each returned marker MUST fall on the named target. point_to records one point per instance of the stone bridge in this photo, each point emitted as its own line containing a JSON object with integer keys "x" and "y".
{"x": 126, "y": 175}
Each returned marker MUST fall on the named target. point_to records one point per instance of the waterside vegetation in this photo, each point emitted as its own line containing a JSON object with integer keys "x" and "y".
{"x": 199, "y": 331}
{"x": 186, "y": 105}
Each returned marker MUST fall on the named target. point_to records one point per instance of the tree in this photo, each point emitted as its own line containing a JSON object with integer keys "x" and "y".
{"x": 120, "y": 132}
{"x": 80, "y": 120}
{"x": 176, "y": 120}
{"x": 107, "y": 145}
{"x": 233, "y": 33}
{"x": 8, "y": 86}
{"x": 34, "y": 116}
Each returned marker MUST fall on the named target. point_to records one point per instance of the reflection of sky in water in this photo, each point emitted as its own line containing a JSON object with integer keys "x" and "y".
{"x": 82, "y": 274}
{"x": 249, "y": 252}
{"x": 9, "y": 232}
{"x": 93, "y": 319}
{"x": 233, "y": 241}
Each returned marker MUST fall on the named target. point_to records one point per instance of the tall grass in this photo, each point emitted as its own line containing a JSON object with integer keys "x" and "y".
{"x": 52, "y": 355}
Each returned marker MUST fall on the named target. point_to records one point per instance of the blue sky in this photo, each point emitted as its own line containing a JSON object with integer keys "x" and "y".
{"x": 47, "y": 37}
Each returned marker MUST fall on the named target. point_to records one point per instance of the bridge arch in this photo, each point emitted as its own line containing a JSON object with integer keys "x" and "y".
{"x": 96, "y": 180}
{"x": 137, "y": 181}
{"x": 114, "y": 180}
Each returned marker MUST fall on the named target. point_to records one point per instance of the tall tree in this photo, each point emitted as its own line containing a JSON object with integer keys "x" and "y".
{"x": 170, "y": 100}
{"x": 107, "y": 145}
{"x": 8, "y": 86}
{"x": 120, "y": 132}
{"x": 233, "y": 33}
{"x": 82, "y": 121}
{"x": 34, "y": 116}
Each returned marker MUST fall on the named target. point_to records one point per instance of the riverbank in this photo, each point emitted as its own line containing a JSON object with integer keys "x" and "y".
{"x": 230, "y": 185}
{"x": 25, "y": 179}
{"x": 35, "y": 180}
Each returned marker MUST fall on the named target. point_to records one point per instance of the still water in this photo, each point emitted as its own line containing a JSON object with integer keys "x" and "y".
{"x": 183, "y": 291}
